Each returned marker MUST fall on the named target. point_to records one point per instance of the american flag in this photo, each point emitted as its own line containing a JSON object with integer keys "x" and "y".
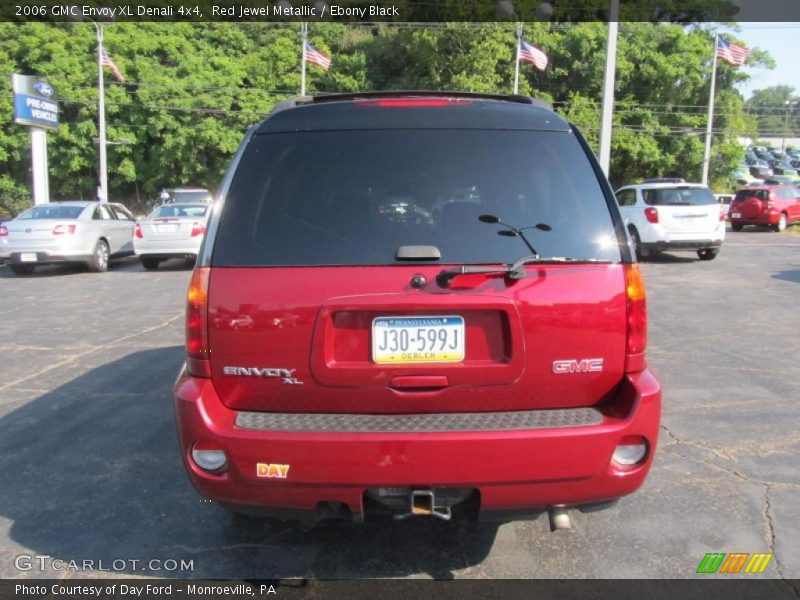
{"x": 731, "y": 53}
{"x": 318, "y": 58}
{"x": 105, "y": 61}
{"x": 532, "y": 54}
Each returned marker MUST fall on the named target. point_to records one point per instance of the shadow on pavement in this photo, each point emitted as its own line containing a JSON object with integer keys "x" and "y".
{"x": 792, "y": 275}
{"x": 91, "y": 471}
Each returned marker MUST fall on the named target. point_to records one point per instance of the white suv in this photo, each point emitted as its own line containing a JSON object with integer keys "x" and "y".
{"x": 672, "y": 216}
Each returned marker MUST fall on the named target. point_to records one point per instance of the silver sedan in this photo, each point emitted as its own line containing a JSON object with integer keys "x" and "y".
{"x": 171, "y": 231}
{"x": 67, "y": 232}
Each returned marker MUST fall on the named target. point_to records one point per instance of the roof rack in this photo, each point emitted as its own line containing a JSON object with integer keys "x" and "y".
{"x": 323, "y": 98}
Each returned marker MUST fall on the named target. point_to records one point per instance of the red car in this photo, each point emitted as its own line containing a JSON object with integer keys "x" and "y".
{"x": 483, "y": 352}
{"x": 773, "y": 206}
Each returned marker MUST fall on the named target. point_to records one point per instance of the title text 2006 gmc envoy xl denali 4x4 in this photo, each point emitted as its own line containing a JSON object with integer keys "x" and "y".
{"x": 416, "y": 304}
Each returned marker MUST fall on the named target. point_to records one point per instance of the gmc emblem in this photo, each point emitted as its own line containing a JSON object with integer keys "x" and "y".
{"x": 586, "y": 365}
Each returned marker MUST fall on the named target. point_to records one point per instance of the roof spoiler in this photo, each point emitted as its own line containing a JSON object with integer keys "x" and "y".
{"x": 323, "y": 98}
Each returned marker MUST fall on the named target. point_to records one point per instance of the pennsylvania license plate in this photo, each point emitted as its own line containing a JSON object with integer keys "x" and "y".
{"x": 28, "y": 257}
{"x": 166, "y": 228}
{"x": 398, "y": 340}
{"x": 735, "y": 215}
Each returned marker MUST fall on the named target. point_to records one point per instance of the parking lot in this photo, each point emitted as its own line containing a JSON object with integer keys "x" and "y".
{"x": 90, "y": 469}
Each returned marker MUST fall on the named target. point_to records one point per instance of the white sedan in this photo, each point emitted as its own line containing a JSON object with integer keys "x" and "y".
{"x": 80, "y": 232}
{"x": 170, "y": 231}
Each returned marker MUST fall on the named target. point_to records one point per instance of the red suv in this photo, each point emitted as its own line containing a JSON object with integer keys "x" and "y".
{"x": 775, "y": 206}
{"x": 444, "y": 315}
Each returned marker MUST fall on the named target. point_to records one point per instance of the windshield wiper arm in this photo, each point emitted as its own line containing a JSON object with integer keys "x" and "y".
{"x": 513, "y": 271}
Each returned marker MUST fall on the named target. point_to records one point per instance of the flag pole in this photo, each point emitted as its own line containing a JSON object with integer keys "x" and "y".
{"x": 101, "y": 117}
{"x": 516, "y": 62}
{"x": 707, "y": 153}
{"x": 304, "y": 35}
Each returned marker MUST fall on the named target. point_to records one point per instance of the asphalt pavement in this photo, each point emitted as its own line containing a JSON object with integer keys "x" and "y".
{"x": 90, "y": 471}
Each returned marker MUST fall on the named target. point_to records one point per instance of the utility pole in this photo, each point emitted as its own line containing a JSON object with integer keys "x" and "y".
{"x": 102, "y": 192}
{"x": 516, "y": 63}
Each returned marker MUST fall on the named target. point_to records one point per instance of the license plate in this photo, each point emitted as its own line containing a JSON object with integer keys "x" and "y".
{"x": 28, "y": 257}
{"x": 398, "y": 340}
{"x": 166, "y": 228}
{"x": 735, "y": 215}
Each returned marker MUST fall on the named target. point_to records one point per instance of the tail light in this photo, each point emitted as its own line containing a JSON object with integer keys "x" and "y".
{"x": 197, "y": 229}
{"x": 3, "y": 231}
{"x": 637, "y": 319}
{"x": 651, "y": 214}
{"x": 722, "y": 213}
{"x": 62, "y": 229}
{"x": 197, "y": 348}
{"x": 137, "y": 231}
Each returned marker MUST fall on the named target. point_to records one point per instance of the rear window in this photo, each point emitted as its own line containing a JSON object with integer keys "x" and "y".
{"x": 354, "y": 197}
{"x": 745, "y": 194}
{"x": 678, "y": 196}
{"x": 194, "y": 196}
{"x": 179, "y": 211}
{"x": 52, "y": 212}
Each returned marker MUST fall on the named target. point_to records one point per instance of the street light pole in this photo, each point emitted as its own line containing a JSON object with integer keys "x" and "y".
{"x": 607, "y": 108}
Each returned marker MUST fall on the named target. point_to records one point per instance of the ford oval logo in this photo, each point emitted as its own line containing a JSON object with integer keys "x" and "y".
{"x": 45, "y": 89}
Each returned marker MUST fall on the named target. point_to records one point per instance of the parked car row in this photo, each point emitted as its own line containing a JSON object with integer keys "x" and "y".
{"x": 90, "y": 233}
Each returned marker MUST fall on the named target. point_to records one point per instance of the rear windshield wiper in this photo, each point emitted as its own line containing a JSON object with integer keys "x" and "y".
{"x": 513, "y": 271}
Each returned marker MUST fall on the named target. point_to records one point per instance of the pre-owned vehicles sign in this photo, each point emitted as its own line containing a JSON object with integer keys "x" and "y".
{"x": 35, "y": 102}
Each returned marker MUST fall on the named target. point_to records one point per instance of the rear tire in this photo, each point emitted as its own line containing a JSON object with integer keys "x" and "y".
{"x": 707, "y": 253}
{"x": 736, "y": 226}
{"x": 99, "y": 261}
{"x": 781, "y": 224}
{"x": 21, "y": 269}
{"x": 637, "y": 245}
{"x": 151, "y": 264}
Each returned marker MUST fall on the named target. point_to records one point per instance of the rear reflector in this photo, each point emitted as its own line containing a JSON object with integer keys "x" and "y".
{"x": 651, "y": 214}
{"x": 3, "y": 231}
{"x": 413, "y": 102}
{"x": 637, "y": 319}
{"x": 197, "y": 348}
{"x": 197, "y": 229}
{"x": 62, "y": 229}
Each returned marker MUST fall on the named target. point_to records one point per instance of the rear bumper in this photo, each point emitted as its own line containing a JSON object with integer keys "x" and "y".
{"x": 47, "y": 258}
{"x": 764, "y": 219}
{"x": 167, "y": 248}
{"x": 682, "y": 245}
{"x": 511, "y": 469}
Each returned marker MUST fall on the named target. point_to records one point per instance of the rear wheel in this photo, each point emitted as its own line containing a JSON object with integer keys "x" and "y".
{"x": 781, "y": 224}
{"x": 736, "y": 226}
{"x": 99, "y": 261}
{"x": 151, "y": 264}
{"x": 637, "y": 245}
{"x": 707, "y": 253}
{"x": 21, "y": 269}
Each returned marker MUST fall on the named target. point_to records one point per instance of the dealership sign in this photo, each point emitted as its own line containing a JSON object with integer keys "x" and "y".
{"x": 35, "y": 102}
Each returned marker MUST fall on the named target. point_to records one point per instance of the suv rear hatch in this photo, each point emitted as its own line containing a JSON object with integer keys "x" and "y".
{"x": 684, "y": 209}
{"x": 323, "y": 293}
{"x": 750, "y": 204}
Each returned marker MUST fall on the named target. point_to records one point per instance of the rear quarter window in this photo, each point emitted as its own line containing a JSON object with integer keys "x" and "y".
{"x": 354, "y": 197}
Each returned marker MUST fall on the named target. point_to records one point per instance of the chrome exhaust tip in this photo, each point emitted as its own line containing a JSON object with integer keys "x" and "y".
{"x": 559, "y": 518}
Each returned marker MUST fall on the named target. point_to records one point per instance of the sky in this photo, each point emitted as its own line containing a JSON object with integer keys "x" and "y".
{"x": 782, "y": 41}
